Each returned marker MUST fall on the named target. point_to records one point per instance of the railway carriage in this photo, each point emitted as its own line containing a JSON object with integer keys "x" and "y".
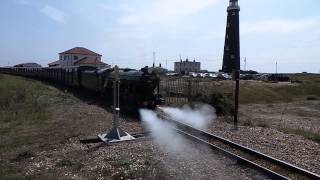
{"x": 138, "y": 89}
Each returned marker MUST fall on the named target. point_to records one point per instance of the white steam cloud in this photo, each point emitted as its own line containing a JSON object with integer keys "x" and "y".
{"x": 199, "y": 117}
{"x": 162, "y": 132}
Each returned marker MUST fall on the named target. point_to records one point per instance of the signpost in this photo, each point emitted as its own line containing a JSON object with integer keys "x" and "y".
{"x": 116, "y": 134}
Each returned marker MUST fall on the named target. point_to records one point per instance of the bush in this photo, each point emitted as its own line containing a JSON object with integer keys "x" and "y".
{"x": 312, "y": 98}
{"x": 219, "y": 101}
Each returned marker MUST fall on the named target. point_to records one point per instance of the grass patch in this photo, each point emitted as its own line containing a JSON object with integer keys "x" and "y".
{"x": 75, "y": 165}
{"x": 26, "y": 112}
{"x": 307, "y": 134}
{"x": 22, "y": 100}
{"x": 122, "y": 163}
{"x": 9, "y": 172}
{"x": 251, "y": 93}
{"x": 26, "y": 121}
{"x": 15, "y": 143}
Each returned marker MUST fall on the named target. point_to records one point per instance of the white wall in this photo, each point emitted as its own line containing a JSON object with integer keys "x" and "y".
{"x": 68, "y": 59}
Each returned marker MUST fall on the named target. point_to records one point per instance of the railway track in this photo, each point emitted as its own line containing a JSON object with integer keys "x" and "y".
{"x": 269, "y": 166}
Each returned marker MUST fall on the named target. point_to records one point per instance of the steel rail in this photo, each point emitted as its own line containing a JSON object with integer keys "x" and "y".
{"x": 200, "y": 134}
{"x": 238, "y": 158}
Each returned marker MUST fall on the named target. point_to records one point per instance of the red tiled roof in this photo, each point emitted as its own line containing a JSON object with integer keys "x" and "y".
{"x": 54, "y": 63}
{"x": 88, "y": 61}
{"x": 80, "y": 50}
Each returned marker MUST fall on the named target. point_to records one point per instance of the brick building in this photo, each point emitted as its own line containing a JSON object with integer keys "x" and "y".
{"x": 184, "y": 67}
{"x": 78, "y": 56}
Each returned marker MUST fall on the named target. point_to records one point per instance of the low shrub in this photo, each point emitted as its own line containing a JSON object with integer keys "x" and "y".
{"x": 248, "y": 123}
{"x": 312, "y": 98}
{"x": 219, "y": 101}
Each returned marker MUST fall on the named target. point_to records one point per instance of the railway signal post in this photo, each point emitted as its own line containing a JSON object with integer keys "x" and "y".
{"x": 116, "y": 134}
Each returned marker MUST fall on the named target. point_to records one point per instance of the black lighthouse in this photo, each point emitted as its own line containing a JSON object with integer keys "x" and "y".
{"x": 231, "y": 55}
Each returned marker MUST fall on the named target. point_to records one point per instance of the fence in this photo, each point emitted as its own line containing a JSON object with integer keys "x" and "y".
{"x": 180, "y": 90}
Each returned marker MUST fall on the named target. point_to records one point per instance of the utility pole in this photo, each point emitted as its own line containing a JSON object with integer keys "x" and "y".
{"x": 245, "y": 63}
{"x": 154, "y": 59}
{"x": 180, "y": 64}
{"x": 166, "y": 64}
{"x": 276, "y": 67}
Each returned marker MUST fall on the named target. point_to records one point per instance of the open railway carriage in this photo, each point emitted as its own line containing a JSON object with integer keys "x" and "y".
{"x": 138, "y": 89}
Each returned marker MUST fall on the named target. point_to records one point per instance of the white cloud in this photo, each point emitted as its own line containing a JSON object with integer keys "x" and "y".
{"x": 278, "y": 26}
{"x": 121, "y": 7}
{"x": 22, "y": 2}
{"x": 130, "y": 19}
{"x": 167, "y": 11}
{"x": 53, "y": 13}
{"x": 126, "y": 7}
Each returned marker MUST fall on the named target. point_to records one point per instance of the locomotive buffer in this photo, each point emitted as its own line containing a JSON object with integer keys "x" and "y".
{"x": 116, "y": 134}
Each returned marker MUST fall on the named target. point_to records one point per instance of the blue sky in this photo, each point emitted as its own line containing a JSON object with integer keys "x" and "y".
{"x": 126, "y": 32}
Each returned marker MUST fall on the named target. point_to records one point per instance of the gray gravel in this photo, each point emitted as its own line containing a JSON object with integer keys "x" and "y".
{"x": 141, "y": 159}
{"x": 290, "y": 148}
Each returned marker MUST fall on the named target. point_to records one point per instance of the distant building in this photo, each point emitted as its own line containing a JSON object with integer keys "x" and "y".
{"x": 29, "y": 65}
{"x": 78, "y": 56}
{"x": 54, "y": 64}
{"x": 184, "y": 67}
{"x": 158, "y": 70}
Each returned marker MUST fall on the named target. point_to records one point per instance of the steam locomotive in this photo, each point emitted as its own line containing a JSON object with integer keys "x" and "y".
{"x": 138, "y": 89}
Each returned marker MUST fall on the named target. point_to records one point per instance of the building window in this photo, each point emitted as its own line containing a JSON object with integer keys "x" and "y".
{"x": 65, "y": 58}
{"x": 75, "y": 57}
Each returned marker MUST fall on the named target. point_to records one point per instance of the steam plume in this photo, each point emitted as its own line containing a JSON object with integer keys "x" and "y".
{"x": 200, "y": 116}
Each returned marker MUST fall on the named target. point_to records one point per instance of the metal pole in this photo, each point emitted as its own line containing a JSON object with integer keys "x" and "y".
{"x": 116, "y": 97}
{"x": 114, "y": 104}
{"x": 118, "y": 103}
{"x": 236, "y": 99}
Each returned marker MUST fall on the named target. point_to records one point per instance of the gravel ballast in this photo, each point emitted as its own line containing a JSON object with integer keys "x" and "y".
{"x": 294, "y": 149}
